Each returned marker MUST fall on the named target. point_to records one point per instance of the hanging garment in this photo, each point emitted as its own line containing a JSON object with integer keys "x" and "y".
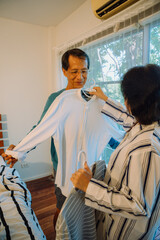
{"x": 75, "y": 124}
{"x": 77, "y": 221}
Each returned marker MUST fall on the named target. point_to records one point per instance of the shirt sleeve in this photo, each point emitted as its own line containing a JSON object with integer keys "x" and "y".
{"x": 45, "y": 129}
{"x": 50, "y": 100}
{"x": 118, "y": 113}
{"x": 136, "y": 196}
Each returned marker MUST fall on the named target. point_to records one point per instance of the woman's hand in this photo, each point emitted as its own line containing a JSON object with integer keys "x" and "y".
{"x": 10, "y": 160}
{"x": 99, "y": 93}
{"x": 81, "y": 178}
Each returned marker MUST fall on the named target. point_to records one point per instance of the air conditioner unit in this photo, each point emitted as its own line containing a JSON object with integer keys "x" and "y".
{"x": 104, "y": 9}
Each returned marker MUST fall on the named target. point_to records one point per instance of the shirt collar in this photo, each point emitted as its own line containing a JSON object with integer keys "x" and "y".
{"x": 82, "y": 99}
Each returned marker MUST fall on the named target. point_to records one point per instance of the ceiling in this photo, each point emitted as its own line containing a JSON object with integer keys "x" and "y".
{"x": 39, "y": 12}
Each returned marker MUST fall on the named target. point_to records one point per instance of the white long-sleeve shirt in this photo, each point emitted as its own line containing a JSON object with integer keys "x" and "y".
{"x": 76, "y": 125}
{"x": 130, "y": 193}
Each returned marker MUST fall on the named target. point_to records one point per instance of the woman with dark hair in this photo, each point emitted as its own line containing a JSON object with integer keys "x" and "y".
{"x": 129, "y": 196}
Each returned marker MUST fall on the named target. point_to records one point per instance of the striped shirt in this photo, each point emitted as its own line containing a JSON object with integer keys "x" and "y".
{"x": 129, "y": 196}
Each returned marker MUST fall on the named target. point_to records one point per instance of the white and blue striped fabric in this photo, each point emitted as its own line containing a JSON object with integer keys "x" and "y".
{"x": 17, "y": 219}
{"x": 77, "y": 221}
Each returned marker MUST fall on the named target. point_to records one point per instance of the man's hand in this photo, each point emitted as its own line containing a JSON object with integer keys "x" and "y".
{"x": 10, "y": 160}
{"x": 99, "y": 93}
{"x": 81, "y": 178}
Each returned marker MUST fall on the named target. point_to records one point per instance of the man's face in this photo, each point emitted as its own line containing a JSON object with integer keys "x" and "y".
{"x": 76, "y": 73}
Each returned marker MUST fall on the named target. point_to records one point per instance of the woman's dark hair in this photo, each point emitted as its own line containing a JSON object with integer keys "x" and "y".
{"x": 141, "y": 89}
{"x": 76, "y": 52}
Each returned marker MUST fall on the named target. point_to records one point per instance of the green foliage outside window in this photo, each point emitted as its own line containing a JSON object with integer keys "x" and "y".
{"x": 155, "y": 44}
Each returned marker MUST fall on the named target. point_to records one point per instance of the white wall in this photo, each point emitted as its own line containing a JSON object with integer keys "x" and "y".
{"x": 25, "y": 76}
{"x": 79, "y": 22}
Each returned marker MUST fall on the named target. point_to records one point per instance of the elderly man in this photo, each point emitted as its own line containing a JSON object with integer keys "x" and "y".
{"x": 75, "y": 66}
{"x": 69, "y": 118}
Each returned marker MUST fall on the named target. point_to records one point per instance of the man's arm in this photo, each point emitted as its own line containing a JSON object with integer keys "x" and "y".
{"x": 12, "y": 160}
{"x": 45, "y": 129}
{"x": 50, "y": 100}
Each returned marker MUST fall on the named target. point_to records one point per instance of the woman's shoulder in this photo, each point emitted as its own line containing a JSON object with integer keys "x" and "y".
{"x": 149, "y": 138}
{"x": 154, "y": 140}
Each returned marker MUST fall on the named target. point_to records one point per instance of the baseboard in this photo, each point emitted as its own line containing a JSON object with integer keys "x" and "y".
{"x": 37, "y": 177}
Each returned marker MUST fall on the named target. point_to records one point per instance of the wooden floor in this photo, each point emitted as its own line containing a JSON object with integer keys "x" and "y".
{"x": 44, "y": 203}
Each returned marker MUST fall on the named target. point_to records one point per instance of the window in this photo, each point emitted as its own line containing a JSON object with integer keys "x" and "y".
{"x": 112, "y": 53}
{"x": 154, "y": 50}
{"x": 113, "y": 56}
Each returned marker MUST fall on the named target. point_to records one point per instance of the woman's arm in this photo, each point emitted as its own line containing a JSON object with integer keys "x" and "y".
{"x": 137, "y": 195}
{"x": 138, "y": 192}
{"x": 115, "y": 110}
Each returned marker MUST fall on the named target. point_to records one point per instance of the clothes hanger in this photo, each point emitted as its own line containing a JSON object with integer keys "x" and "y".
{"x": 87, "y": 90}
{"x": 80, "y": 160}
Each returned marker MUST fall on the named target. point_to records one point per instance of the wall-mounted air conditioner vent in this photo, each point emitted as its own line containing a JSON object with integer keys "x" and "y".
{"x": 104, "y": 9}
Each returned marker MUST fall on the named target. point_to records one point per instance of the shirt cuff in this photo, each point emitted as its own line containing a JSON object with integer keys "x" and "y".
{"x": 93, "y": 190}
{"x": 15, "y": 154}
